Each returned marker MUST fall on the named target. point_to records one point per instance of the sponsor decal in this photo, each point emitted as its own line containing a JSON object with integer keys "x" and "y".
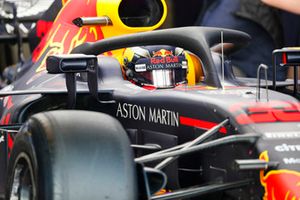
{"x": 140, "y": 68}
{"x": 287, "y": 148}
{"x": 282, "y": 135}
{"x": 161, "y": 116}
{"x": 280, "y": 184}
{"x": 162, "y": 53}
{"x": 163, "y": 66}
{"x": 162, "y": 60}
{"x": 148, "y": 114}
{"x": 156, "y": 63}
{"x": 131, "y": 111}
{"x": 2, "y": 139}
{"x": 291, "y": 161}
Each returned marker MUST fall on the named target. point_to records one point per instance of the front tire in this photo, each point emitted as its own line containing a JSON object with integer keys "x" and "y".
{"x": 70, "y": 155}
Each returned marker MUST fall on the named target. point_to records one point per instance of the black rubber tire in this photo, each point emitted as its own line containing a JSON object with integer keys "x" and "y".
{"x": 72, "y": 155}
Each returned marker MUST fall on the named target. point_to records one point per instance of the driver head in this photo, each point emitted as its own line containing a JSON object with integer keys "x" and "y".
{"x": 159, "y": 66}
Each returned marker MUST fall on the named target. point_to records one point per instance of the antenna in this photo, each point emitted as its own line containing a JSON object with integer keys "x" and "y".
{"x": 222, "y": 49}
{"x": 265, "y": 68}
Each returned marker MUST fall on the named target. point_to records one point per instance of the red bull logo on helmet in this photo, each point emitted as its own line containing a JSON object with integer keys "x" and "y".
{"x": 280, "y": 184}
{"x": 162, "y": 53}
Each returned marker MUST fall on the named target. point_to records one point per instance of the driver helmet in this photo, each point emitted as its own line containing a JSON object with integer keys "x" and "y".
{"x": 158, "y": 66}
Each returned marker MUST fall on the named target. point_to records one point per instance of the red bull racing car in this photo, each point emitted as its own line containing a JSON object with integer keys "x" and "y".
{"x": 152, "y": 115}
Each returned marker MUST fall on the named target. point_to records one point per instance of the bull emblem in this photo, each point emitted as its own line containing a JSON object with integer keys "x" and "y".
{"x": 280, "y": 184}
{"x": 162, "y": 53}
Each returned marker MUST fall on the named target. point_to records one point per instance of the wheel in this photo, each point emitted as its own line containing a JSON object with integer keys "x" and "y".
{"x": 70, "y": 155}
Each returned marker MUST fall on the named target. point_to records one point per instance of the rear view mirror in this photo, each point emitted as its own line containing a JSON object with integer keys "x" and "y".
{"x": 71, "y": 63}
{"x": 287, "y": 57}
{"x": 292, "y": 58}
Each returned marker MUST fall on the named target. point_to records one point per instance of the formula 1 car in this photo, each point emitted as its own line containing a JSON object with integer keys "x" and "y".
{"x": 74, "y": 128}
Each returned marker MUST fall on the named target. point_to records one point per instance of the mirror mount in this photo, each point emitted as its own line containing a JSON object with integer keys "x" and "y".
{"x": 71, "y": 64}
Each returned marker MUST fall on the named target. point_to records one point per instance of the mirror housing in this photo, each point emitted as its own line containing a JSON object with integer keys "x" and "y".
{"x": 292, "y": 58}
{"x": 289, "y": 56}
{"x": 71, "y": 63}
{"x": 286, "y": 57}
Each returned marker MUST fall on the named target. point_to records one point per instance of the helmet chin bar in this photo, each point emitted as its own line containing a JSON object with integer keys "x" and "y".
{"x": 163, "y": 78}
